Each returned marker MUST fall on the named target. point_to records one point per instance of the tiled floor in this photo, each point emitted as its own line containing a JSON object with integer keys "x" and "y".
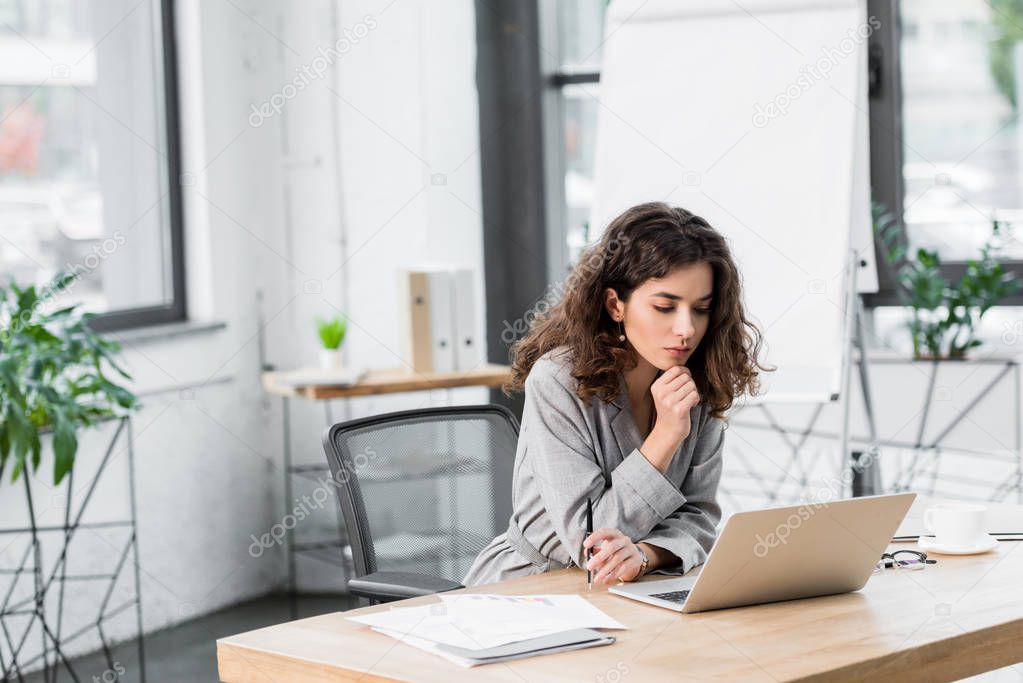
{"x": 187, "y": 653}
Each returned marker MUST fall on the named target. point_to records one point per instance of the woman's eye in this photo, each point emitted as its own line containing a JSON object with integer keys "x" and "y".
{"x": 701, "y": 311}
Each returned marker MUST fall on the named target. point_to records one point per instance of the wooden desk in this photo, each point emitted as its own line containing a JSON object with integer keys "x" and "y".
{"x": 957, "y": 618}
{"x": 392, "y": 381}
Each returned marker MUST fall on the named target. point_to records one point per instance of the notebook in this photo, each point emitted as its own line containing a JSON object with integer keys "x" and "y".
{"x": 564, "y": 641}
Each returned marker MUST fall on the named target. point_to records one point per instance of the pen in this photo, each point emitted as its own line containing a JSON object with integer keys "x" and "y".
{"x": 589, "y": 530}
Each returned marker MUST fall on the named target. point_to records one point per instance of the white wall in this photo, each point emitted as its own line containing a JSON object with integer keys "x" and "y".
{"x": 399, "y": 186}
{"x": 370, "y": 168}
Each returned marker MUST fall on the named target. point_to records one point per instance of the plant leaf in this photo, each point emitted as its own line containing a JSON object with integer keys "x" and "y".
{"x": 5, "y": 448}
{"x": 65, "y": 445}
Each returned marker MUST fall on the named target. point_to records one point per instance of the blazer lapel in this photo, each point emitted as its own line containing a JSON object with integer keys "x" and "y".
{"x": 622, "y": 425}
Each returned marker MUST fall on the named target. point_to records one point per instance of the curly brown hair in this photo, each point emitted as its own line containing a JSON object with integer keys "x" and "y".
{"x": 647, "y": 241}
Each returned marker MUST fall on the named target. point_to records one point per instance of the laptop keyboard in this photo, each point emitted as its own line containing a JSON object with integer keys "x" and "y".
{"x": 673, "y": 596}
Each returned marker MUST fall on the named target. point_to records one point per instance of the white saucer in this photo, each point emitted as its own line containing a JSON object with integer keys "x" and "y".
{"x": 986, "y": 543}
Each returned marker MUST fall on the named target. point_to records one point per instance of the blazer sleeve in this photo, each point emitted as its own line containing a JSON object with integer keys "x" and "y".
{"x": 562, "y": 457}
{"x": 689, "y": 531}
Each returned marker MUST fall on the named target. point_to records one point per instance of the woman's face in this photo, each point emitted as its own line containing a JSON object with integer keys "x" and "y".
{"x": 665, "y": 318}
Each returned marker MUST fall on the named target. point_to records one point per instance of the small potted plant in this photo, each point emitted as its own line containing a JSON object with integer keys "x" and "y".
{"x": 945, "y": 317}
{"x": 56, "y": 376}
{"x": 332, "y": 334}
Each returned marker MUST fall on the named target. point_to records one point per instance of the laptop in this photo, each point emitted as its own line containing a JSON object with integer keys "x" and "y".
{"x": 784, "y": 553}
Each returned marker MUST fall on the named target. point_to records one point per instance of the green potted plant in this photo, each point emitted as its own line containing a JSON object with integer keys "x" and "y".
{"x": 945, "y": 317}
{"x": 56, "y": 376}
{"x": 332, "y": 334}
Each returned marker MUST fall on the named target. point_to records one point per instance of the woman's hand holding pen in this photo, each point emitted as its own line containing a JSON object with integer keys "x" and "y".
{"x": 674, "y": 395}
{"x": 618, "y": 557}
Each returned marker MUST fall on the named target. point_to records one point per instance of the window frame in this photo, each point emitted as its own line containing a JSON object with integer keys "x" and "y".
{"x": 554, "y": 79}
{"x": 886, "y": 154}
{"x": 176, "y": 310}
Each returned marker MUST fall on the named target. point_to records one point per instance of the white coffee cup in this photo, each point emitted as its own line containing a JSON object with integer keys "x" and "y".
{"x": 957, "y": 524}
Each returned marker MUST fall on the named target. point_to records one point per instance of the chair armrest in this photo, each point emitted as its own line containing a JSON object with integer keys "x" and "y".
{"x": 388, "y": 586}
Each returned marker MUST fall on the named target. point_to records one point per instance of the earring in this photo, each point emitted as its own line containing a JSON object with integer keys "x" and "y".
{"x": 621, "y": 328}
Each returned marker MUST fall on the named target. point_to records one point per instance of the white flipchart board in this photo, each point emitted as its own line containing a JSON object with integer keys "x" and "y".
{"x": 683, "y": 86}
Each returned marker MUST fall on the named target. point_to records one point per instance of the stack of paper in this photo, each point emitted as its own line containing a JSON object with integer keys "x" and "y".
{"x": 471, "y": 629}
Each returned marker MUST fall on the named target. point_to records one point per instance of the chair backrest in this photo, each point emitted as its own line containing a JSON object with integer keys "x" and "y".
{"x": 423, "y": 490}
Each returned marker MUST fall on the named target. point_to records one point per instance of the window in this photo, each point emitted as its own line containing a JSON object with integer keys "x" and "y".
{"x": 945, "y": 106}
{"x": 89, "y": 155}
{"x": 571, "y": 61}
{"x": 961, "y": 145}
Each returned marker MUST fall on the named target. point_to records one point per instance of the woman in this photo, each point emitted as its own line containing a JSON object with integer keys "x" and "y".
{"x": 627, "y": 380}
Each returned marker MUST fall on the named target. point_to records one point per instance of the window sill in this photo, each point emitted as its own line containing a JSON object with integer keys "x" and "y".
{"x": 152, "y": 333}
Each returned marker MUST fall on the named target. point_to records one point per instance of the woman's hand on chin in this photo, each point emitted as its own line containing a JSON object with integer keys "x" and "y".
{"x": 674, "y": 395}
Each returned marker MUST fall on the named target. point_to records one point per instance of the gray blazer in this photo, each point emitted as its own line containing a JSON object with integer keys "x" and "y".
{"x": 569, "y": 450}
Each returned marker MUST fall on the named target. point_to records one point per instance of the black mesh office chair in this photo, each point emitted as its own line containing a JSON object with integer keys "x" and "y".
{"x": 421, "y": 493}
